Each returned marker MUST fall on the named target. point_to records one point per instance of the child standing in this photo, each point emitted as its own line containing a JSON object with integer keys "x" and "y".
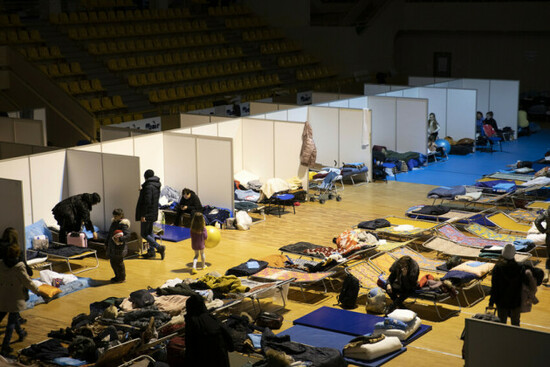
{"x": 198, "y": 237}
{"x": 119, "y": 234}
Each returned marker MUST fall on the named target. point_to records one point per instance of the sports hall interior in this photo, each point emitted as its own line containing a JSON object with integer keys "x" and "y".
{"x": 54, "y": 57}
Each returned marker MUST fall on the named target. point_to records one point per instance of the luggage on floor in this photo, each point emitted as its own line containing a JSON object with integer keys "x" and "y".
{"x": 349, "y": 293}
{"x": 270, "y": 320}
{"x": 77, "y": 239}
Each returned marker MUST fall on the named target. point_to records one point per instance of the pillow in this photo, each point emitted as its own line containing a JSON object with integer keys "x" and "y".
{"x": 401, "y": 334}
{"x": 403, "y": 315}
{"x": 475, "y": 267}
{"x": 459, "y": 277}
{"x": 89, "y": 234}
{"x": 48, "y": 290}
{"x": 36, "y": 229}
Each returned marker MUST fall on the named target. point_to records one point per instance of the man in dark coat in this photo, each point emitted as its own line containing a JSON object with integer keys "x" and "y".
{"x": 73, "y": 212}
{"x": 147, "y": 211}
{"x": 189, "y": 204}
{"x": 207, "y": 341}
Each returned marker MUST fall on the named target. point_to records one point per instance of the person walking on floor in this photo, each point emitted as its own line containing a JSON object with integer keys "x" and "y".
{"x": 198, "y": 238}
{"x": 506, "y": 286}
{"x": 119, "y": 234}
{"x": 73, "y": 212}
{"x": 14, "y": 282}
{"x": 147, "y": 211}
{"x": 544, "y": 217}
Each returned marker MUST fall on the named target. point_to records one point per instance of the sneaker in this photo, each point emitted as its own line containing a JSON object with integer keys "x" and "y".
{"x": 148, "y": 255}
{"x": 116, "y": 280}
{"x": 162, "y": 252}
{"x": 23, "y": 335}
{"x": 6, "y": 351}
{"x": 193, "y": 271}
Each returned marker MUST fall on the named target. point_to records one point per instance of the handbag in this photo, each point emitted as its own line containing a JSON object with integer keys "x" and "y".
{"x": 270, "y": 320}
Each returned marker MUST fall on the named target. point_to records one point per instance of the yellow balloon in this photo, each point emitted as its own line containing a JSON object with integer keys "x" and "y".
{"x": 213, "y": 237}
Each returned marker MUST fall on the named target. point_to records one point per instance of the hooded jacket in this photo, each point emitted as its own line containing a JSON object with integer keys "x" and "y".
{"x": 14, "y": 282}
{"x": 74, "y": 211}
{"x": 506, "y": 283}
{"x": 308, "y": 153}
{"x": 148, "y": 201}
{"x": 404, "y": 283}
{"x": 193, "y": 203}
{"x": 114, "y": 249}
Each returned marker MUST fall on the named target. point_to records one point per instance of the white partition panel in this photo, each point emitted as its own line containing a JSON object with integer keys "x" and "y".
{"x": 186, "y": 130}
{"x": 324, "y": 122}
{"x": 351, "y": 126}
{"x": 121, "y": 180}
{"x": 439, "y": 85}
{"x": 233, "y": 129}
{"x": 112, "y": 133}
{"x": 374, "y": 89}
{"x": 298, "y": 114}
{"x": 149, "y": 148}
{"x": 482, "y": 97}
{"x": 411, "y": 131}
{"x": 50, "y": 166}
{"x": 119, "y": 146}
{"x": 89, "y": 148}
{"x": 461, "y": 109}
{"x": 395, "y": 93}
{"x": 85, "y": 175}
{"x": 11, "y": 197}
{"x": 503, "y": 101}
{"x": 437, "y": 104}
{"x": 281, "y": 115}
{"x": 180, "y": 161}
{"x": 340, "y": 103}
{"x": 283, "y": 106}
{"x": 30, "y": 132}
{"x": 320, "y": 97}
{"x": 359, "y": 102}
{"x": 258, "y": 148}
{"x": 19, "y": 169}
{"x": 210, "y": 129}
{"x": 288, "y": 143}
{"x": 215, "y": 172}
{"x": 383, "y": 121}
{"x": 262, "y": 108}
{"x": 190, "y": 119}
{"x": 409, "y": 92}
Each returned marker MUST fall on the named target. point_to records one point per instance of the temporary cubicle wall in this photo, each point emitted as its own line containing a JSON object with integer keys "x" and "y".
{"x": 48, "y": 178}
{"x": 375, "y": 89}
{"x": 107, "y": 133}
{"x": 12, "y": 150}
{"x": 452, "y": 107}
{"x": 266, "y": 148}
{"x": 499, "y": 96}
{"x": 181, "y": 161}
{"x": 265, "y": 107}
{"x": 11, "y": 197}
{"x": 23, "y": 131}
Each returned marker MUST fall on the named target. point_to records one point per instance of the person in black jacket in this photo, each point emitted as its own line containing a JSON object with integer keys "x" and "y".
{"x": 207, "y": 341}
{"x": 402, "y": 280}
{"x": 544, "y": 217}
{"x": 147, "y": 211}
{"x": 119, "y": 234}
{"x": 73, "y": 212}
{"x": 189, "y": 204}
{"x": 506, "y": 283}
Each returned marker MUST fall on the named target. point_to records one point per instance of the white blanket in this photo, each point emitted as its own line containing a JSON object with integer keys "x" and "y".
{"x": 372, "y": 351}
{"x": 274, "y": 185}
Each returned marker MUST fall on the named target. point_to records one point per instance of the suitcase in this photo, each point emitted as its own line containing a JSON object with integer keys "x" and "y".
{"x": 175, "y": 351}
{"x": 78, "y": 239}
{"x": 270, "y": 320}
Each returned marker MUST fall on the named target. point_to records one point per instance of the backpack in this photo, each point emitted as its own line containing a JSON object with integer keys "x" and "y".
{"x": 489, "y": 131}
{"x": 349, "y": 293}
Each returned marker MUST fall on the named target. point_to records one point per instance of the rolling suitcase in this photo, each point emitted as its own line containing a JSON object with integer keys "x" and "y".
{"x": 78, "y": 239}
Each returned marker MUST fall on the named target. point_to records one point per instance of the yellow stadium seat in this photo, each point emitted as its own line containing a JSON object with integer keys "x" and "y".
{"x": 180, "y": 92}
{"x": 95, "y": 104}
{"x": 96, "y": 85}
{"x": 55, "y": 52}
{"x": 102, "y": 48}
{"x": 64, "y": 86}
{"x": 121, "y": 63}
{"x": 133, "y": 80}
{"x": 107, "y": 103}
{"x": 53, "y": 70}
{"x": 150, "y": 61}
{"x": 160, "y": 77}
{"x": 74, "y": 87}
{"x": 116, "y": 120}
{"x": 167, "y": 59}
{"x": 169, "y": 76}
{"x": 112, "y": 64}
{"x": 92, "y": 17}
{"x": 137, "y": 116}
{"x": 187, "y": 74}
{"x": 73, "y": 18}
{"x": 75, "y": 68}
{"x": 64, "y": 70}
{"x": 153, "y": 96}
{"x": 138, "y": 15}
{"x": 142, "y": 79}
{"x": 117, "y": 101}
{"x": 148, "y": 45}
{"x": 102, "y": 17}
{"x": 32, "y": 53}
{"x": 44, "y": 69}
{"x": 159, "y": 60}
{"x": 162, "y": 95}
{"x": 63, "y": 18}
{"x": 86, "y": 104}
{"x": 189, "y": 92}
{"x": 178, "y": 75}
{"x": 171, "y": 93}
{"x": 206, "y": 89}
{"x": 85, "y": 86}
{"x": 92, "y": 48}
{"x": 131, "y": 62}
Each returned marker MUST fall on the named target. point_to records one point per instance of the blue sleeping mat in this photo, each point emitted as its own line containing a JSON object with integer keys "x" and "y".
{"x": 174, "y": 233}
{"x": 349, "y": 322}
{"x": 330, "y": 339}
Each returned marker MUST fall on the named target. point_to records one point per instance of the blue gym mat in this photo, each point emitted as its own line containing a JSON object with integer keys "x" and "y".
{"x": 349, "y": 322}
{"x": 174, "y": 233}
{"x": 330, "y": 339}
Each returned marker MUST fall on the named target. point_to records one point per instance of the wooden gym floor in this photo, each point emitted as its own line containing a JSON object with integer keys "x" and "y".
{"x": 314, "y": 223}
